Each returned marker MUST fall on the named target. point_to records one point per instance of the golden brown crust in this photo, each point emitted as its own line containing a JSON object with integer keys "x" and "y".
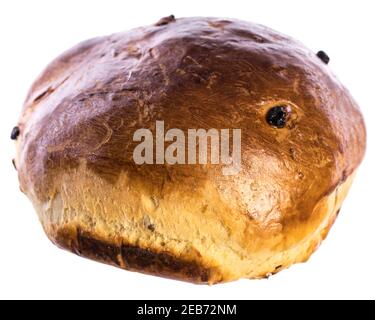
{"x": 157, "y": 252}
{"x": 80, "y": 116}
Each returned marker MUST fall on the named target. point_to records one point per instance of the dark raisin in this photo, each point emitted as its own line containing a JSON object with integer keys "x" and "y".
{"x": 151, "y": 227}
{"x": 14, "y": 164}
{"x": 15, "y": 133}
{"x": 165, "y": 20}
{"x": 323, "y": 56}
{"x": 278, "y": 116}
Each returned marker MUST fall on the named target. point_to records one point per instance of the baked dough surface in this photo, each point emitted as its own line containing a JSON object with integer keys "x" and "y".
{"x": 74, "y": 152}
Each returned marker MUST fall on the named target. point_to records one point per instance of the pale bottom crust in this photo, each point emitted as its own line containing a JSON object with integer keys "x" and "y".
{"x": 130, "y": 255}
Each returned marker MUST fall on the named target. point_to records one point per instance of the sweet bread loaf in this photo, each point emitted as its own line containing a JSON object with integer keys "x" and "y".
{"x": 302, "y": 138}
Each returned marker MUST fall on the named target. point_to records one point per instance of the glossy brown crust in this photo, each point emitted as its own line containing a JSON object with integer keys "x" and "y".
{"x": 80, "y": 115}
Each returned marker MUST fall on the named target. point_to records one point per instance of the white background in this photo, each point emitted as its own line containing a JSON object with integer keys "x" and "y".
{"x": 32, "y": 33}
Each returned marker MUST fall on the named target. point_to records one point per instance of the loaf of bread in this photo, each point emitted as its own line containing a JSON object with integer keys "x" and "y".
{"x": 302, "y": 139}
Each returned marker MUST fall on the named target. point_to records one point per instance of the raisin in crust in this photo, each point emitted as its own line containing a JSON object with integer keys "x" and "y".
{"x": 189, "y": 222}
